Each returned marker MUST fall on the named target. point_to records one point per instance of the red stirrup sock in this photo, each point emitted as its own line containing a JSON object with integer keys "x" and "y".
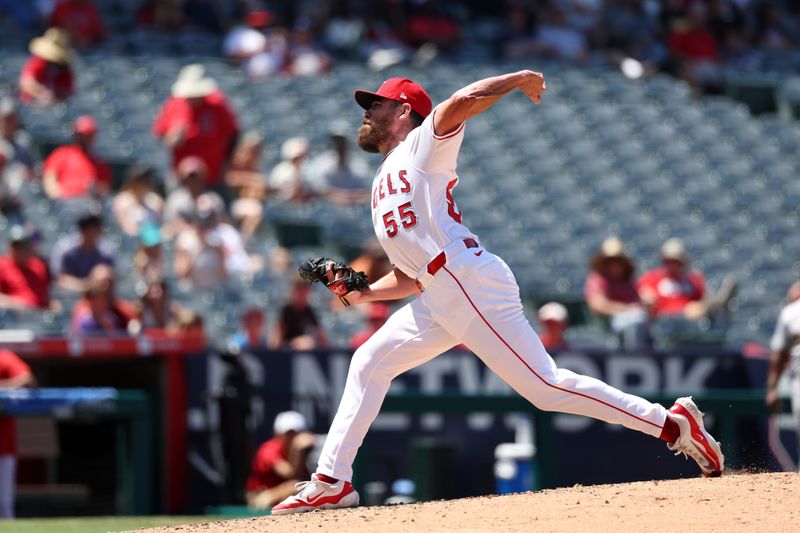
{"x": 326, "y": 479}
{"x": 670, "y": 432}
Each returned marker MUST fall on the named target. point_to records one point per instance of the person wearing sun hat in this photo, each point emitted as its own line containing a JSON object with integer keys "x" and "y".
{"x": 47, "y": 76}
{"x": 674, "y": 288}
{"x": 610, "y": 293}
{"x": 196, "y": 121}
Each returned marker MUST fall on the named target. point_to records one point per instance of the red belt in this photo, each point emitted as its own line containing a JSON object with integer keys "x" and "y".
{"x": 436, "y": 264}
{"x": 439, "y": 261}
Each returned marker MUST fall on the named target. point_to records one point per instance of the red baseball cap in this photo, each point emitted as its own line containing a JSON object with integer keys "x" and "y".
{"x": 85, "y": 124}
{"x": 400, "y": 90}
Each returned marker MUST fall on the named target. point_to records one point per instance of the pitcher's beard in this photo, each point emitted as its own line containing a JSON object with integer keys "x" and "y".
{"x": 370, "y": 137}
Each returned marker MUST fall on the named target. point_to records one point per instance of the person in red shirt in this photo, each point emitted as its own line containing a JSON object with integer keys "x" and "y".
{"x": 377, "y": 314}
{"x": 196, "y": 121}
{"x": 554, "y": 320}
{"x": 280, "y": 462}
{"x": 47, "y": 76}
{"x": 611, "y": 294}
{"x": 24, "y": 277}
{"x": 74, "y": 170}
{"x": 673, "y": 289}
{"x": 693, "y": 46}
{"x": 14, "y": 374}
{"x": 81, "y": 19}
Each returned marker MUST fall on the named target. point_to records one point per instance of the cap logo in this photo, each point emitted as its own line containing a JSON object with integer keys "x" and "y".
{"x": 403, "y": 96}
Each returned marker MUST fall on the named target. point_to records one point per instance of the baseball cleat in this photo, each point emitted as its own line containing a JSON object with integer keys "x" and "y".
{"x": 316, "y": 494}
{"x": 694, "y": 440}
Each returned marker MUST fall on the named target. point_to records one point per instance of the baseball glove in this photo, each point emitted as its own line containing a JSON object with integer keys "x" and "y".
{"x": 316, "y": 270}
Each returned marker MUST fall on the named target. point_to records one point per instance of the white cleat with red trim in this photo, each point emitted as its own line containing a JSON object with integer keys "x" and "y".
{"x": 695, "y": 441}
{"x": 316, "y": 494}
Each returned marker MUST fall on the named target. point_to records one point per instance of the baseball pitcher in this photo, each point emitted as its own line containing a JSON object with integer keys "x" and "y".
{"x": 465, "y": 294}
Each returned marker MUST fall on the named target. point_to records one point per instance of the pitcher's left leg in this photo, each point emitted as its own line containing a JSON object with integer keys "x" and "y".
{"x": 501, "y": 336}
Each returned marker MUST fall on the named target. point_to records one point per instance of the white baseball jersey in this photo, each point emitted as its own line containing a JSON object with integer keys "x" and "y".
{"x": 413, "y": 211}
{"x": 787, "y": 334}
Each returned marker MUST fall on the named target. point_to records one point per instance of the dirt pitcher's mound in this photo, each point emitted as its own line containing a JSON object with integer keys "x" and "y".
{"x": 741, "y": 502}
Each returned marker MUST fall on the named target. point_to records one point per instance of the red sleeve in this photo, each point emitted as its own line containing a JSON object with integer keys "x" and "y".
{"x": 33, "y": 68}
{"x": 11, "y": 366}
{"x": 265, "y": 459}
{"x": 164, "y": 119}
{"x": 647, "y": 280}
{"x": 595, "y": 284}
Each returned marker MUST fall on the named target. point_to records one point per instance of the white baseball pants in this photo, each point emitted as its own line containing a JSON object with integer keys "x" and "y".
{"x": 474, "y": 299}
{"x": 8, "y": 480}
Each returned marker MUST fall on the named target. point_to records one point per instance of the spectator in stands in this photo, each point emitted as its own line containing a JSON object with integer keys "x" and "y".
{"x": 14, "y": 374}
{"x": 429, "y": 23}
{"x": 24, "y": 278}
{"x": 148, "y": 262}
{"x": 377, "y": 314}
{"x": 196, "y": 121}
{"x": 166, "y": 15}
{"x": 154, "y": 309}
{"x": 10, "y": 204}
{"x": 47, "y": 77}
{"x": 770, "y": 32}
{"x": 189, "y": 323}
{"x": 22, "y": 158}
{"x": 694, "y": 49}
{"x": 74, "y": 256}
{"x": 252, "y": 335}
{"x": 248, "y": 182}
{"x": 182, "y": 203}
{"x": 674, "y": 289}
{"x": 210, "y": 231}
{"x": 298, "y": 327}
{"x": 610, "y": 293}
{"x": 306, "y": 58}
{"x": 100, "y": 311}
{"x": 74, "y": 171}
{"x": 199, "y": 253}
{"x": 289, "y": 178}
{"x": 81, "y": 19}
{"x": 785, "y": 347}
{"x": 555, "y": 38}
{"x": 629, "y": 30}
{"x": 336, "y": 176}
{"x": 260, "y": 46}
{"x": 280, "y": 462}
{"x": 138, "y": 202}
{"x": 554, "y": 320}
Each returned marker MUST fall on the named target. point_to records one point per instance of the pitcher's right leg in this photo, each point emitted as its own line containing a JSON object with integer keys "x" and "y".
{"x": 409, "y": 338}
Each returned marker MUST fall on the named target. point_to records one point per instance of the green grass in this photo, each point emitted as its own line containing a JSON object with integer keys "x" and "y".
{"x": 98, "y": 524}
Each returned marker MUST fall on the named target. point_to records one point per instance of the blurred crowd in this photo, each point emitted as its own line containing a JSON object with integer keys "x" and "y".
{"x": 210, "y": 207}
{"x": 693, "y": 39}
{"x": 209, "y": 212}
